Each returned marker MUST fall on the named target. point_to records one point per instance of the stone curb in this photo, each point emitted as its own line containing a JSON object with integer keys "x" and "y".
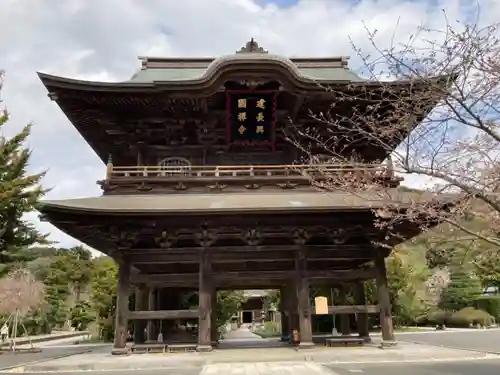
{"x": 25, "y": 340}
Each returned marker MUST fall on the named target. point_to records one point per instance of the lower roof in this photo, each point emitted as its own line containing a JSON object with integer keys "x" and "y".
{"x": 239, "y": 202}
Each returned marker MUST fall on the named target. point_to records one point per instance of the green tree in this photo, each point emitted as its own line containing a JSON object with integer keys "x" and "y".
{"x": 19, "y": 194}
{"x": 103, "y": 294}
{"x": 487, "y": 268}
{"x": 69, "y": 271}
{"x": 272, "y": 299}
{"x": 462, "y": 291}
{"x": 228, "y": 304}
{"x": 82, "y": 315}
{"x": 79, "y": 268}
{"x": 57, "y": 291}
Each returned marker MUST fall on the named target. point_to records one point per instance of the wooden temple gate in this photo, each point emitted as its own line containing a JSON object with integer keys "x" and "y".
{"x": 203, "y": 191}
{"x": 296, "y": 304}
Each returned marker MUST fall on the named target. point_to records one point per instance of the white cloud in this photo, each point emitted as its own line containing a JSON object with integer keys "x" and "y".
{"x": 100, "y": 40}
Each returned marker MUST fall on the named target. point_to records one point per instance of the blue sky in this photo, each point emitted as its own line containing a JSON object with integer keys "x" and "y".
{"x": 280, "y": 3}
{"x": 100, "y": 40}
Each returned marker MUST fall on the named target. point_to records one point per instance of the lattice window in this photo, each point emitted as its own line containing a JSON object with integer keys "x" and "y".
{"x": 175, "y": 166}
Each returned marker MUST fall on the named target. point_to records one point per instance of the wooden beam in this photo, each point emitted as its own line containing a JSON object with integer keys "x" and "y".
{"x": 163, "y": 314}
{"x": 249, "y": 249}
{"x": 162, "y": 257}
{"x": 272, "y": 276}
{"x": 354, "y": 309}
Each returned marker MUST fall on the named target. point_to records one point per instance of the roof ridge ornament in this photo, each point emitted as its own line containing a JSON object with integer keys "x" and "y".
{"x": 252, "y": 47}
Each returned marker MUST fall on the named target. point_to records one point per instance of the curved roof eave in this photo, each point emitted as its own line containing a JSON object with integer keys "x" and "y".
{"x": 64, "y": 82}
{"x": 215, "y": 72}
{"x": 214, "y": 203}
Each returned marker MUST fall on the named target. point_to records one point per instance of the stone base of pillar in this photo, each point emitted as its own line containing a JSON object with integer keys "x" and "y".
{"x": 305, "y": 345}
{"x": 204, "y": 348}
{"x": 214, "y": 344}
{"x": 387, "y": 344}
{"x": 120, "y": 351}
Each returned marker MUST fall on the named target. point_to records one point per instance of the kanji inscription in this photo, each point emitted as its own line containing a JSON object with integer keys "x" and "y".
{"x": 250, "y": 117}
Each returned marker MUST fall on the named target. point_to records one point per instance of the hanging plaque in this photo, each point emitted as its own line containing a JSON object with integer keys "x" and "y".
{"x": 251, "y": 117}
{"x": 321, "y": 304}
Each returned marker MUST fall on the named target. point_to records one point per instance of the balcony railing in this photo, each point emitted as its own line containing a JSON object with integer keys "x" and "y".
{"x": 197, "y": 178}
{"x": 243, "y": 171}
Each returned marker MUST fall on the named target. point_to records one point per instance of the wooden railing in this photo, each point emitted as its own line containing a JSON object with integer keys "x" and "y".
{"x": 243, "y": 171}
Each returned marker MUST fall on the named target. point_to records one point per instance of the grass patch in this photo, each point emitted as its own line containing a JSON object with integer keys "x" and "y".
{"x": 409, "y": 329}
{"x": 267, "y": 334}
{"x": 270, "y": 329}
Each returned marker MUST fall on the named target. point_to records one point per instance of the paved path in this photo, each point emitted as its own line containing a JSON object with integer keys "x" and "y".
{"x": 483, "y": 367}
{"x": 246, "y": 359}
{"x": 478, "y": 340}
{"x": 244, "y": 338}
{"x": 263, "y": 368}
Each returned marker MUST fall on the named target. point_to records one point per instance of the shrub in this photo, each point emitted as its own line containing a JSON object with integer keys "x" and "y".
{"x": 469, "y": 316}
{"x": 490, "y": 304}
{"x": 438, "y": 317}
{"x": 272, "y": 326}
{"x": 422, "y": 320}
{"x": 270, "y": 329}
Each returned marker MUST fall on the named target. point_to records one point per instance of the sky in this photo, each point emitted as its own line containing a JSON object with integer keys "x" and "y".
{"x": 100, "y": 40}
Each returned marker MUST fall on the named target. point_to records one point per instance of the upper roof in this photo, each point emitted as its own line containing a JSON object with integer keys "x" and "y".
{"x": 184, "y": 70}
{"x": 176, "y": 97}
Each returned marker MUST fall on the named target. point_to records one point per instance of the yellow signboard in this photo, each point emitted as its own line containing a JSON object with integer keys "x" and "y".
{"x": 321, "y": 304}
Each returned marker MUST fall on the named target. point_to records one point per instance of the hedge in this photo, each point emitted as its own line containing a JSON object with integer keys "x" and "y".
{"x": 490, "y": 304}
{"x": 467, "y": 317}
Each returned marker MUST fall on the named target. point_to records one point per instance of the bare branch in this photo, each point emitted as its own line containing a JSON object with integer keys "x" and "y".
{"x": 433, "y": 105}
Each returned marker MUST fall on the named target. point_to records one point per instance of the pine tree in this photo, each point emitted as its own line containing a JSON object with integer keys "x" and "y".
{"x": 462, "y": 291}
{"x": 19, "y": 194}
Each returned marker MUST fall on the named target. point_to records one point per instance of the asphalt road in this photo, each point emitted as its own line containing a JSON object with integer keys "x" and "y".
{"x": 490, "y": 367}
{"x": 479, "y": 340}
{"x": 14, "y": 359}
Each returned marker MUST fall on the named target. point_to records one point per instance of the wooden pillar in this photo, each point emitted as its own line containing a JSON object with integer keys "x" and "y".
{"x": 159, "y": 306}
{"x": 384, "y": 301}
{"x": 293, "y": 306}
{"x": 285, "y": 315}
{"x": 140, "y": 153}
{"x": 205, "y": 302}
{"x": 152, "y": 333}
{"x": 141, "y": 304}
{"x": 362, "y": 318}
{"x": 122, "y": 300}
{"x": 214, "y": 333}
{"x": 304, "y": 302}
{"x": 345, "y": 326}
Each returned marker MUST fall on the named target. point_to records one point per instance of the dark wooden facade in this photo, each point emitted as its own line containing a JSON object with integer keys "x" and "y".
{"x": 185, "y": 207}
